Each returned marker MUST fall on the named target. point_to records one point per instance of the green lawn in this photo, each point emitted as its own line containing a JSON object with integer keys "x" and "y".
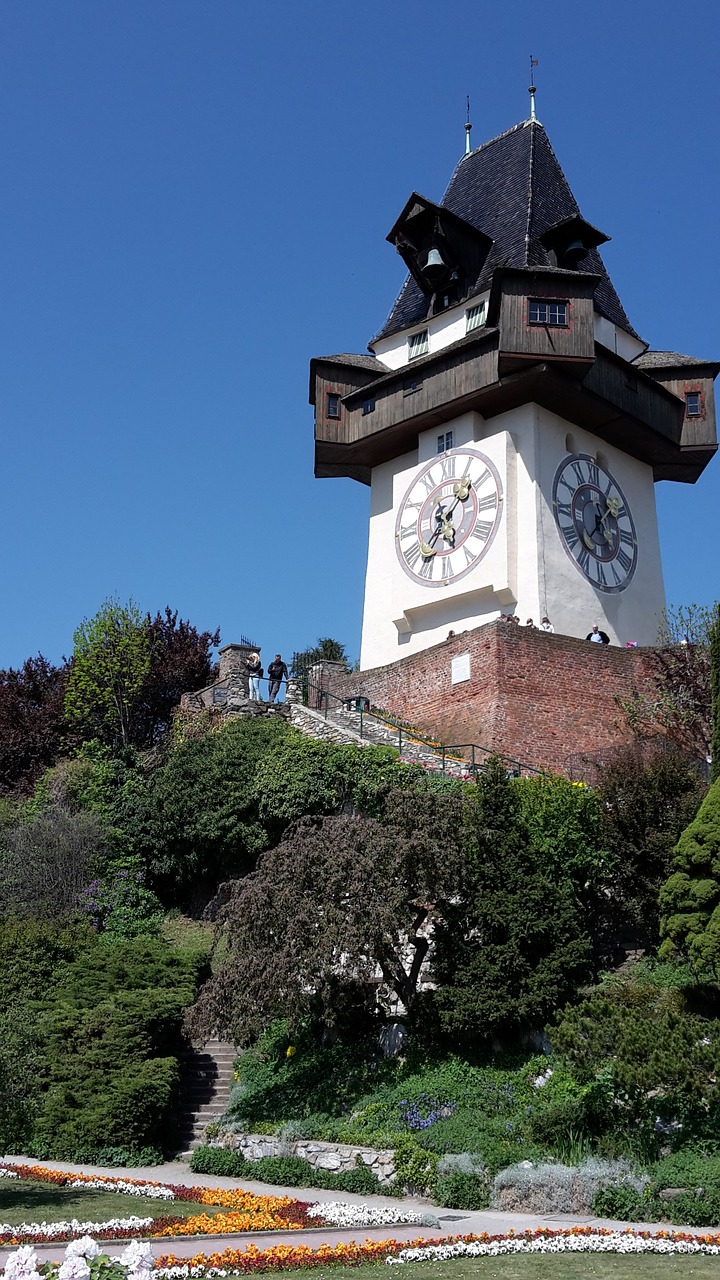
{"x": 25, "y": 1201}
{"x": 588, "y": 1266}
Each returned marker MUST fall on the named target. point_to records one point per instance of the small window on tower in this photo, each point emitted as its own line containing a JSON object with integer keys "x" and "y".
{"x": 475, "y": 317}
{"x": 445, "y": 442}
{"x": 369, "y": 405}
{"x": 418, "y": 344}
{"x": 693, "y": 404}
{"x": 333, "y": 404}
{"x": 547, "y": 312}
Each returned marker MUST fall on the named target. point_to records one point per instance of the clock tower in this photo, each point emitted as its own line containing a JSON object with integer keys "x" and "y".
{"x": 509, "y": 420}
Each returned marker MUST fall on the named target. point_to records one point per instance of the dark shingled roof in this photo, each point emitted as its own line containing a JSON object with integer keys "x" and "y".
{"x": 357, "y": 361}
{"x": 668, "y": 360}
{"x": 512, "y": 189}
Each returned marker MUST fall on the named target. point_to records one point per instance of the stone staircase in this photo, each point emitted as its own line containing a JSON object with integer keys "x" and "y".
{"x": 206, "y": 1078}
{"x": 340, "y": 725}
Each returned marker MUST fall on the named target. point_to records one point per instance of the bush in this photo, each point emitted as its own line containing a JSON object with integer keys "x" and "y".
{"x": 284, "y": 1171}
{"x": 623, "y": 1202}
{"x": 559, "y": 1188}
{"x": 462, "y": 1182}
{"x": 219, "y": 1163}
{"x": 687, "y": 1168}
{"x": 106, "y": 1030}
{"x": 120, "y": 905}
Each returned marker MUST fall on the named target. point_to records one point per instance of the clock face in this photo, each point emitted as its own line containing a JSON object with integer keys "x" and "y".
{"x": 594, "y": 522}
{"x": 448, "y": 517}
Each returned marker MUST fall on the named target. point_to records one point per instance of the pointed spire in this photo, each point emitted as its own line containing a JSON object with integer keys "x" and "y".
{"x": 468, "y": 128}
{"x": 531, "y": 90}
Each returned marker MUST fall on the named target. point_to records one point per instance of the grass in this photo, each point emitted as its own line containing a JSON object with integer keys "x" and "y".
{"x": 588, "y": 1266}
{"x": 26, "y": 1201}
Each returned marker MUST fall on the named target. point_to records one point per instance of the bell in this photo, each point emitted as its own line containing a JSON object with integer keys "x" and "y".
{"x": 575, "y": 251}
{"x": 434, "y": 261}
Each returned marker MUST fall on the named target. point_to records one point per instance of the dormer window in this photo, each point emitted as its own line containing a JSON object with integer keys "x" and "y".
{"x": 546, "y": 311}
{"x": 475, "y": 316}
{"x": 418, "y": 344}
{"x": 693, "y": 404}
{"x": 333, "y": 404}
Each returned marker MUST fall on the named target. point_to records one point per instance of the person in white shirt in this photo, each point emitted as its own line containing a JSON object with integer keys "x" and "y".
{"x": 546, "y": 625}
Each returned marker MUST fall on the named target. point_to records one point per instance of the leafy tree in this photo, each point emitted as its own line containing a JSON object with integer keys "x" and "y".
{"x": 304, "y": 776}
{"x": 340, "y": 899}
{"x": 195, "y": 821}
{"x": 690, "y": 898}
{"x": 646, "y": 797}
{"x": 111, "y": 663}
{"x": 180, "y": 662}
{"x": 564, "y": 821}
{"x": 130, "y": 670}
{"x": 677, "y": 702}
{"x": 511, "y": 946}
{"x": 714, "y": 648}
{"x": 326, "y": 650}
{"x": 32, "y": 722}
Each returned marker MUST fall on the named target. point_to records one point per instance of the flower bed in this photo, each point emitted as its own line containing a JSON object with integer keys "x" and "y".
{"x": 574, "y": 1240}
{"x": 245, "y": 1211}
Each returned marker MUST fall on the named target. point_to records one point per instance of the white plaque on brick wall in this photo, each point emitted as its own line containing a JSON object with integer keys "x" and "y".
{"x": 460, "y": 669}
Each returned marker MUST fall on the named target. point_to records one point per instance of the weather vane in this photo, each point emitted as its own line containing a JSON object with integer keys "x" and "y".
{"x": 468, "y": 127}
{"x": 533, "y": 64}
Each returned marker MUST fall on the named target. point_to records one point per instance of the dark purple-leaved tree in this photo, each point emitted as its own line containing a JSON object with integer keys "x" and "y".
{"x": 32, "y": 722}
{"x": 341, "y": 900}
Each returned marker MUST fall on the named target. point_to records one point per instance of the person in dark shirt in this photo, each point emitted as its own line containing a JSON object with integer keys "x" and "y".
{"x": 596, "y": 636}
{"x": 277, "y": 672}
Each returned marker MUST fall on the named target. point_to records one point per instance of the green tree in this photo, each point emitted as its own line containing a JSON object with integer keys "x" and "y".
{"x": 110, "y": 664}
{"x": 325, "y": 650}
{"x": 511, "y": 946}
{"x": 304, "y": 776}
{"x": 646, "y": 796}
{"x": 714, "y": 648}
{"x": 690, "y": 898}
{"x": 195, "y": 821}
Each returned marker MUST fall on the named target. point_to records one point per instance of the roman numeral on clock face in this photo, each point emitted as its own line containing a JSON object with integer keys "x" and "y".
{"x": 448, "y": 466}
{"x": 482, "y": 529}
{"x": 488, "y": 504}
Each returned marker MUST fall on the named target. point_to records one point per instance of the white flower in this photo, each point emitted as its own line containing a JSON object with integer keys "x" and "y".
{"x": 7, "y": 1173}
{"x": 138, "y": 1256}
{"x": 339, "y": 1213}
{"x": 85, "y": 1247}
{"x": 22, "y": 1265}
{"x": 73, "y": 1268}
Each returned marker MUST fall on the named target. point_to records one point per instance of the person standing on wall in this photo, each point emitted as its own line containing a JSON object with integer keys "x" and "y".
{"x": 253, "y": 666}
{"x": 277, "y": 672}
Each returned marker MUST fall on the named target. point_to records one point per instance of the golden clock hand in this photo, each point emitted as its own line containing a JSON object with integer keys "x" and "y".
{"x": 461, "y": 490}
{"x": 426, "y": 550}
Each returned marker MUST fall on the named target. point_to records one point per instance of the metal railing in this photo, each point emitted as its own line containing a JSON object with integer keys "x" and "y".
{"x": 320, "y": 700}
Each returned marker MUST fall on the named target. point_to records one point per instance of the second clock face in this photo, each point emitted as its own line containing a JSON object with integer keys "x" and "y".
{"x": 594, "y": 522}
{"x": 448, "y": 518}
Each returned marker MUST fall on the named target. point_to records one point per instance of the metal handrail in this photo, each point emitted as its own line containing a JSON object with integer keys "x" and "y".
{"x": 323, "y": 697}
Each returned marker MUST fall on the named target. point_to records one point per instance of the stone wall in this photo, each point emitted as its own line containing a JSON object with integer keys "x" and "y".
{"x": 335, "y": 1157}
{"x": 546, "y": 700}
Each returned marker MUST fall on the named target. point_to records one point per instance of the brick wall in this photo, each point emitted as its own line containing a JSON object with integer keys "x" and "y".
{"x": 546, "y": 700}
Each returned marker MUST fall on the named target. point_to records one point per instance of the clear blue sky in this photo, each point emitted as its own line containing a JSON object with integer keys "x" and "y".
{"x": 195, "y": 197}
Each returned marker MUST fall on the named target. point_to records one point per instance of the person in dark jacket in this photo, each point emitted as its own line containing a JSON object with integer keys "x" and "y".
{"x": 277, "y": 672}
